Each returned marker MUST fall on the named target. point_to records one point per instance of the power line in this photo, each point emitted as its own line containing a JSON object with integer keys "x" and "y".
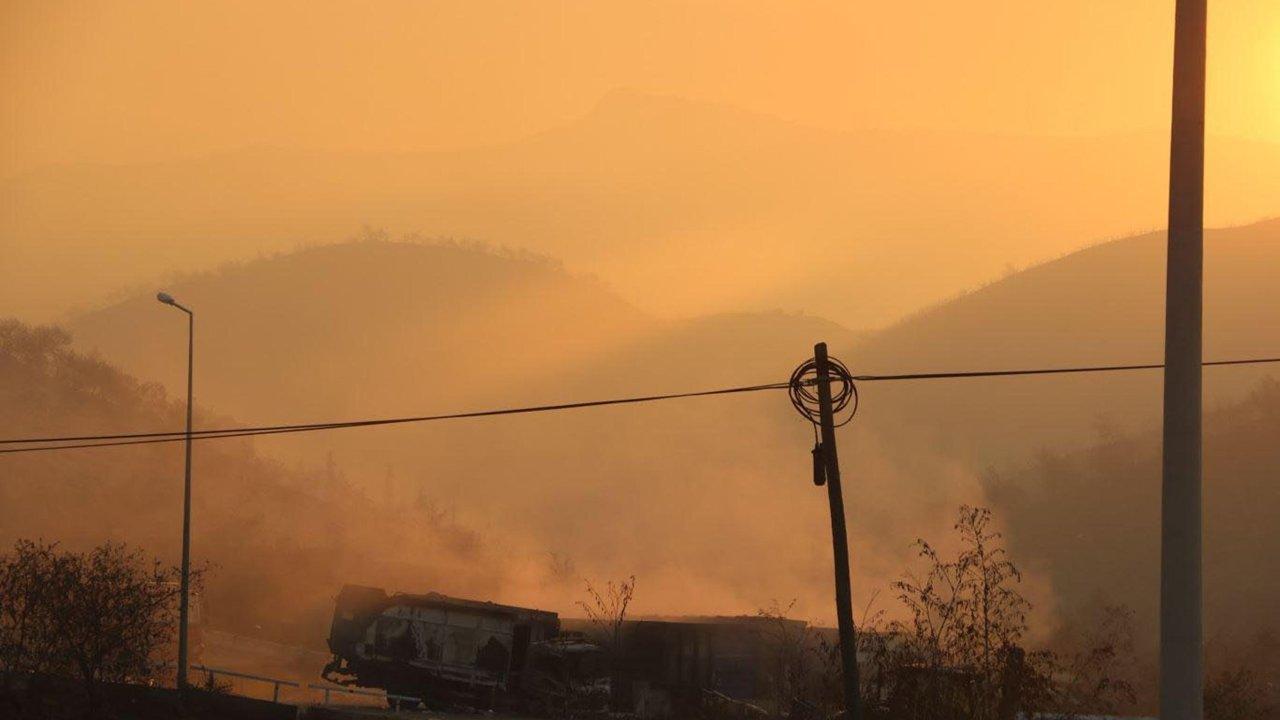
{"x": 160, "y": 437}
{"x": 1049, "y": 371}
{"x": 94, "y": 441}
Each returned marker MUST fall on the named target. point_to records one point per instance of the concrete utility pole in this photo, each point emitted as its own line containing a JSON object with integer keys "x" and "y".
{"x": 839, "y": 538}
{"x": 1181, "y": 614}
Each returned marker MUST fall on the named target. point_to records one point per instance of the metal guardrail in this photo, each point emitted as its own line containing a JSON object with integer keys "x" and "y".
{"x": 276, "y": 682}
{"x": 396, "y": 700}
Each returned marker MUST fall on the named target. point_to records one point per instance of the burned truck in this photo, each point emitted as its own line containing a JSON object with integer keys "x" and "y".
{"x": 452, "y": 652}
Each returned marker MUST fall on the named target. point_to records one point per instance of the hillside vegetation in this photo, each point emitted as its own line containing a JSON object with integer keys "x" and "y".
{"x": 1090, "y": 519}
{"x": 279, "y": 541}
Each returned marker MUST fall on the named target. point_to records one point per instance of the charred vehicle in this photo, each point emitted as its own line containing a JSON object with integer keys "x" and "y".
{"x": 454, "y": 652}
{"x": 566, "y": 676}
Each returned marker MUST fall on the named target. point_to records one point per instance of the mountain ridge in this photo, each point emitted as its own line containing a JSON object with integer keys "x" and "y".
{"x": 711, "y": 203}
{"x": 914, "y": 452}
{"x": 1102, "y": 305}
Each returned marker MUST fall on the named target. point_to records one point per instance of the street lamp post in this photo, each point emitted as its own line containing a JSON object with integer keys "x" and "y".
{"x": 184, "y": 602}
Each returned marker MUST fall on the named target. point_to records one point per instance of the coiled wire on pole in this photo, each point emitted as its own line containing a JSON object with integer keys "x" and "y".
{"x": 803, "y": 390}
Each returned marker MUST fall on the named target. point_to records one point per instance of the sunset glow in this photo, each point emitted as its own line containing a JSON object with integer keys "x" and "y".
{"x": 478, "y": 317}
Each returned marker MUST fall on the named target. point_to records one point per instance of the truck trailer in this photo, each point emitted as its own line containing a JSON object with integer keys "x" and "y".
{"x": 454, "y": 652}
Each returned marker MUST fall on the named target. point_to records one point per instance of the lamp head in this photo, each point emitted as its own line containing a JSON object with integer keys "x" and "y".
{"x": 165, "y": 298}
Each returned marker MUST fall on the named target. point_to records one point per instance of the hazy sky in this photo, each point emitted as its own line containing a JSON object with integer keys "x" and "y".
{"x": 133, "y": 80}
{"x": 679, "y": 203}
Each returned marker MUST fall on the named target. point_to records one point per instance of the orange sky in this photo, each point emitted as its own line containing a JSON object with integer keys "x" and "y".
{"x": 860, "y": 228}
{"x": 142, "y": 80}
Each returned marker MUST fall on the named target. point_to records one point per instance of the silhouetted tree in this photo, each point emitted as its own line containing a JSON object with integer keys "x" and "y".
{"x": 961, "y": 653}
{"x": 790, "y": 647}
{"x": 607, "y": 609}
{"x": 109, "y": 614}
{"x": 29, "y": 598}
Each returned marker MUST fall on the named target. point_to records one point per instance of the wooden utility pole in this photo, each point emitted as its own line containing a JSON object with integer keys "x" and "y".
{"x": 839, "y": 538}
{"x": 1181, "y": 618}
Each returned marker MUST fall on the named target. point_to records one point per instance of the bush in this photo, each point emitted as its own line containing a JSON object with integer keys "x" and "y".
{"x": 960, "y": 654}
{"x": 107, "y": 615}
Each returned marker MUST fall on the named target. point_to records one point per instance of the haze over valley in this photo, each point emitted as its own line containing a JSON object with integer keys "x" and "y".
{"x": 428, "y": 210}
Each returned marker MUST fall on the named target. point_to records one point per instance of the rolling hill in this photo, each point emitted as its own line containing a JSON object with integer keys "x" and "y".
{"x": 1071, "y": 462}
{"x": 720, "y": 209}
{"x": 1090, "y": 520}
{"x": 278, "y": 542}
{"x": 380, "y": 328}
{"x": 1102, "y": 305}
